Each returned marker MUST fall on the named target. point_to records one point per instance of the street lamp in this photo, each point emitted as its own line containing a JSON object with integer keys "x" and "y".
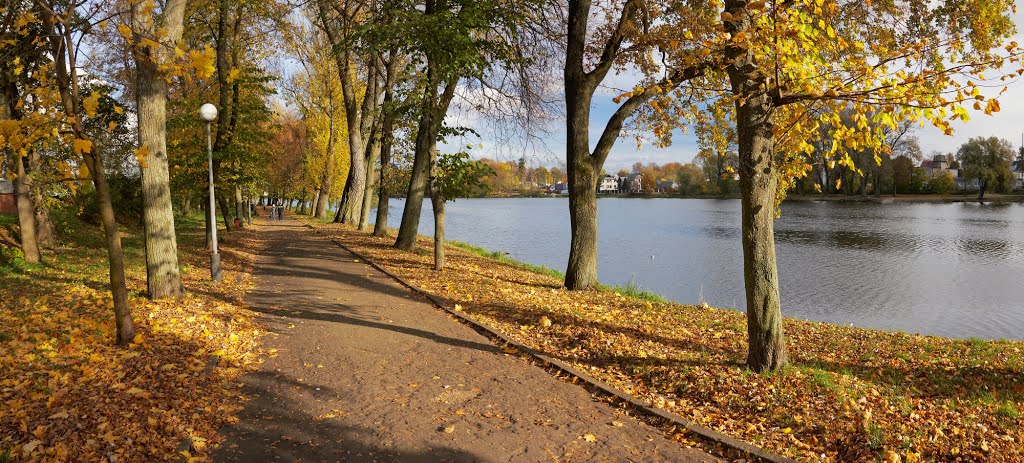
{"x": 209, "y": 113}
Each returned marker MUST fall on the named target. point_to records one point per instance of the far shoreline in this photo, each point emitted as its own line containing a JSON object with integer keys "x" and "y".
{"x": 992, "y": 198}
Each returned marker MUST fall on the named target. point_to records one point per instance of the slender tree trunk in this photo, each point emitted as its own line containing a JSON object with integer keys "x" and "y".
{"x": 380, "y": 227}
{"x": 758, "y": 184}
{"x": 316, "y": 202}
{"x": 26, "y": 212}
{"x": 45, "y": 233}
{"x": 437, "y": 201}
{"x": 339, "y": 215}
{"x": 186, "y": 204}
{"x": 122, "y": 312}
{"x": 327, "y": 180}
{"x": 432, "y": 113}
{"x": 225, "y": 212}
{"x": 371, "y": 161}
{"x": 239, "y": 204}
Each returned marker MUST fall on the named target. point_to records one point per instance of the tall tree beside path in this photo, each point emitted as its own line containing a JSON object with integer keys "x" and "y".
{"x": 62, "y": 31}
{"x": 154, "y": 38}
{"x": 791, "y": 67}
{"x": 458, "y": 42}
{"x": 628, "y": 38}
{"x": 20, "y": 57}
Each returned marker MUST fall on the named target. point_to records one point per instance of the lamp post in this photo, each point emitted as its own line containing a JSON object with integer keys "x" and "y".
{"x": 209, "y": 113}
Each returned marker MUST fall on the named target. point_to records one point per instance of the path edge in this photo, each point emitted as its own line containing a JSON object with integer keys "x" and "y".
{"x": 705, "y": 433}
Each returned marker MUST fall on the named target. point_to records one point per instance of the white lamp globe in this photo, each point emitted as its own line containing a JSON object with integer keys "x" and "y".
{"x": 208, "y": 112}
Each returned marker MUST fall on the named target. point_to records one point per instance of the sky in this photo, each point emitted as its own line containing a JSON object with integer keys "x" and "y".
{"x": 549, "y": 149}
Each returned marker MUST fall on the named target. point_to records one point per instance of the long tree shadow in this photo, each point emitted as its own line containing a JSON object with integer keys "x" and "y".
{"x": 330, "y": 313}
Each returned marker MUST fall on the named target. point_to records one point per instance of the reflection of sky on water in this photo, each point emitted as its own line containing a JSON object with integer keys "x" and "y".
{"x": 945, "y": 269}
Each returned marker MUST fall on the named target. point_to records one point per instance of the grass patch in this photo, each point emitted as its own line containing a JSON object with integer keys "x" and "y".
{"x": 1008, "y": 410}
{"x": 823, "y": 380}
{"x": 505, "y": 259}
{"x": 632, "y": 289}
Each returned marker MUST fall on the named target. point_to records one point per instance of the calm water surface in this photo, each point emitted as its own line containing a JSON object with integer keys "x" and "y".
{"x": 953, "y": 270}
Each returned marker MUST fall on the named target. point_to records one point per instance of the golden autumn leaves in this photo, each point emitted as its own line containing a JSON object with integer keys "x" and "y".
{"x": 68, "y": 394}
{"x": 819, "y": 58}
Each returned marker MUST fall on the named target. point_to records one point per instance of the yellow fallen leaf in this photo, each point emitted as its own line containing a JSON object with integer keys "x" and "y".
{"x": 589, "y": 437}
{"x": 60, "y": 415}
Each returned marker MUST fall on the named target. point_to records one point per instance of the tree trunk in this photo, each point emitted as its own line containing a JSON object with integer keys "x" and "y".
{"x": 26, "y": 212}
{"x": 45, "y": 232}
{"x": 186, "y": 204}
{"x": 339, "y": 215}
{"x": 437, "y": 201}
{"x": 239, "y": 205}
{"x": 248, "y": 209}
{"x": 225, "y": 212}
{"x": 316, "y": 202}
{"x": 162, "y": 278}
{"x": 122, "y": 312}
{"x": 981, "y": 191}
{"x": 581, "y": 271}
{"x": 380, "y": 227}
{"x": 432, "y": 114}
{"x": 371, "y": 161}
{"x": 758, "y": 184}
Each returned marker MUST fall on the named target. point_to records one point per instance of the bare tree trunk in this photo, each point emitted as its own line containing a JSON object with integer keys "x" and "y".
{"x": 432, "y": 113}
{"x": 45, "y": 233}
{"x": 225, "y": 212}
{"x": 339, "y": 215}
{"x": 371, "y": 161}
{"x": 380, "y": 227}
{"x": 122, "y": 312}
{"x": 327, "y": 180}
{"x": 26, "y": 212}
{"x": 186, "y": 204}
{"x": 239, "y": 204}
{"x": 758, "y": 184}
{"x": 162, "y": 278}
{"x": 248, "y": 209}
{"x": 581, "y": 271}
{"x": 437, "y": 201}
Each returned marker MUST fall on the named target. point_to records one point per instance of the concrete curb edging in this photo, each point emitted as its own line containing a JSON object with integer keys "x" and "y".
{"x": 703, "y": 432}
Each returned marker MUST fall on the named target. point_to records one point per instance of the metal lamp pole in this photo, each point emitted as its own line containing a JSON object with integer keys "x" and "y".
{"x": 209, "y": 113}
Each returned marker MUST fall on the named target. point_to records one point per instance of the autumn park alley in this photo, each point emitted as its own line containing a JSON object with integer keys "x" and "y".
{"x": 362, "y": 369}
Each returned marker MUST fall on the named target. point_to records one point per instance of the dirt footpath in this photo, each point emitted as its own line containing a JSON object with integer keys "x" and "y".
{"x": 363, "y": 370}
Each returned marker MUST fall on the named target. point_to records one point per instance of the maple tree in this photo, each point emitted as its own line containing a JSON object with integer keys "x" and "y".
{"x": 789, "y": 67}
